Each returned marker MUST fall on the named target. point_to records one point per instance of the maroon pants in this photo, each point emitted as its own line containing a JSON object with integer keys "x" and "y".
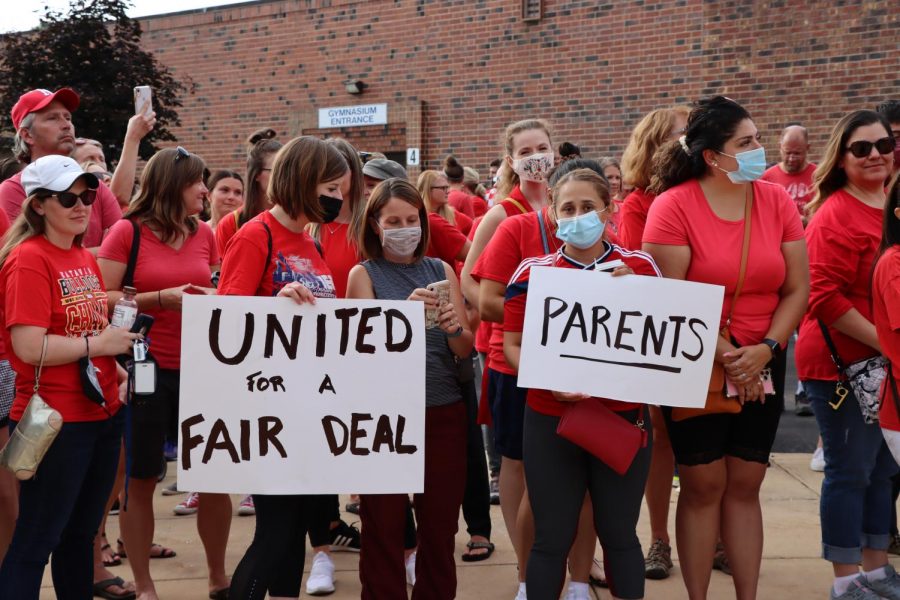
{"x": 381, "y": 566}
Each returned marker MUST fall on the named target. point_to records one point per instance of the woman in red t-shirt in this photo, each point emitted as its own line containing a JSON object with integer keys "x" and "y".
{"x": 54, "y": 311}
{"x": 655, "y": 129}
{"x": 695, "y": 231}
{"x": 175, "y": 256}
{"x": 226, "y": 195}
{"x": 433, "y": 187}
{"x": 886, "y": 313}
{"x": 271, "y": 255}
{"x": 559, "y": 472}
{"x": 843, "y": 235}
{"x": 260, "y": 154}
{"x": 523, "y": 188}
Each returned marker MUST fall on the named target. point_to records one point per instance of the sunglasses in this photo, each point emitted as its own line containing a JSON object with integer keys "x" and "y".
{"x": 863, "y": 148}
{"x": 68, "y": 199}
{"x": 181, "y": 153}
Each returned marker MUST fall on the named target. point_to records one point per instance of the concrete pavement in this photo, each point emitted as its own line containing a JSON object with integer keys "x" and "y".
{"x": 791, "y": 567}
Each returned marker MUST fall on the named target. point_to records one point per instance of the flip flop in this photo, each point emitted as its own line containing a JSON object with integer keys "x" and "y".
{"x": 156, "y": 551}
{"x": 478, "y": 546}
{"x": 597, "y": 576}
{"x": 219, "y": 594}
{"x": 101, "y": 588}
{"x": 116, "y": 559}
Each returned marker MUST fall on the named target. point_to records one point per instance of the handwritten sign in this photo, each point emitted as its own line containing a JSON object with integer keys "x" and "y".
{"x": 280, "y": 398}
{"x": 631, "y": 338}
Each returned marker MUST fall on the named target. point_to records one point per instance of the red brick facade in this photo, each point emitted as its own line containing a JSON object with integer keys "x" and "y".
{"x": 453, "y": 73}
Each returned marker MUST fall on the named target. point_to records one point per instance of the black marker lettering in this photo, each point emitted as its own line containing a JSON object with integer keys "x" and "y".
{"x": 245, "y": 439}
{"x": 622, "y": 330}
{"x": 327, "y": 385}
{"x": 343, "y": 315}
{"x": 269, "y": 428}
{"x": 578, "y": 315}
{"x": 214, "y": 322}
{"x": 383, "y": 434}
{"x": 219, "y": 430}
{"x": 401, "y": 447}
{"x": 548, "y": 314}
{"x": 364, "y": 329}
{"x": 650, "y": 334}
{"x": 600, "y": 321}
{"x": 328, "y": 424}
{"x": 677, "y": 333}
{"x": 392, "y": 346}
{"x": 321, "y": 321}
{"x": 273, "y": 326}
{"x": 691, "y": 324}
{"x": 188, "y": 441}
{"x": 356, "y": 433}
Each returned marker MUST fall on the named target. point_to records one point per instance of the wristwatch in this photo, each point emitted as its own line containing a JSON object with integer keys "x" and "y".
{"x": 774, "y": 346}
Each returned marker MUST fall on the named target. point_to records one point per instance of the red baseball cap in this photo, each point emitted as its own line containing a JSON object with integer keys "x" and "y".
{"x": 35, "y": 100}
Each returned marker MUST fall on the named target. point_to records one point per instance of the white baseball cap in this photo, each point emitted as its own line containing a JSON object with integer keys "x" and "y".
{"x": 54, "y": 173}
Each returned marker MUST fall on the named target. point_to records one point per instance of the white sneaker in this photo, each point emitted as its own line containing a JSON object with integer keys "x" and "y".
{"x": 321, "y": 575}
{"x": 522, "y": 594}
{"x": 411, "y": 570}
{"x": 817, "y": 463}
{"x": 577, "y": 592}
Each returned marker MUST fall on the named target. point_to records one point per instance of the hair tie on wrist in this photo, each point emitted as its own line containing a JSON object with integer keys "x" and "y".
{"x": 159, "y": 297}
{"x": 684, "y": 145}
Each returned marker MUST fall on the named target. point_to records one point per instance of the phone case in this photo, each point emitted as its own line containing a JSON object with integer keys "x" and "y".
{"x": 442, "y": 289}
{"x": 142, "y": 99}
{"x": 144, "y": 377}
{"x": 765, "y": 376}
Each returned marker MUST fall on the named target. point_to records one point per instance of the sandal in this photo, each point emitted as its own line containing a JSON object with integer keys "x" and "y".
{"x": 597, "y": 577}
{"x": 219, "y": 594}
{"x": 478, "y": 546}
{"x": 114, "y": 560}
{"x": 156, "y": 551}
{"x": 101, "y": 588}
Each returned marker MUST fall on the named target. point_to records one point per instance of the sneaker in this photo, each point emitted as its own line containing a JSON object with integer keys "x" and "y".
{"x": 189, "y": 505}
{"x": 345, "y": 538}
{"x": 352, "y": 507}
{"x": 114, "y": 509}
{"x": 720, "y": 560}
{"x": 580, "y": 592}
{"x": 802, "y": 407}
{"x": 894, "y": 548}
{"x": 495, "y": 491}
{"x": 411, "y": 570}
{"x": 857, "y": 591}
{"x": 817, "y": 462}
{"x": 888, "y": 588}
{"x": 658, "y": 563}
{"x": 246, "y": 507}
{"x": 676, "y": 482}
{"x": 321, "y": 575}
{"x": 522, "y": 594}
{"x": 171, "y": 490}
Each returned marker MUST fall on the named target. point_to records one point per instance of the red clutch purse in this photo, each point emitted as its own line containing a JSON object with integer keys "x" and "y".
{"x": 599, "y": 430}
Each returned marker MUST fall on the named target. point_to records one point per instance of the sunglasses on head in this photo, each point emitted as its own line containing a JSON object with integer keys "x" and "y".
{"x": 863, "y": 148}
{"x": 68, "y": 199}
{"x": 181, "y": 153}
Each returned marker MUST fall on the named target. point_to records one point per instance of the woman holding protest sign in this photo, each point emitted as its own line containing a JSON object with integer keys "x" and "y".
{"x": 273, "y": 255}
{"x": 393, "y": 240}
{"x": 714, "y": 223}
{"x": 844, "y": 232}
{"x": 560, "y": 472}
{"x": 54, "y": 310}
{"x": 165, "y": 252}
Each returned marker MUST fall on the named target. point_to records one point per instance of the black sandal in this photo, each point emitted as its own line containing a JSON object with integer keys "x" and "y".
{"x": 101, "y": 588}
{"x": 478, "y": 546}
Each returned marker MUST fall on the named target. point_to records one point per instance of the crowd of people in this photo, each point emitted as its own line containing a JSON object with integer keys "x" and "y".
{"x": 801, "y": 249}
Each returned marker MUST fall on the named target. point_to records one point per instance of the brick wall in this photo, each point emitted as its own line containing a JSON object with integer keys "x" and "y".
{"x": 455, "y": 72}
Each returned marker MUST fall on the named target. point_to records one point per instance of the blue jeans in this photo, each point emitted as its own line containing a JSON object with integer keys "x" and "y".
{"x": 855, "y": 506}
{"x": 60, "y": 511}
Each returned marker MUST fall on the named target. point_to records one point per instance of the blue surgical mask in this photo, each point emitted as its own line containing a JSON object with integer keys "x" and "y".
{"x": 582, "y": 231}
{"x": 751, "y": 165}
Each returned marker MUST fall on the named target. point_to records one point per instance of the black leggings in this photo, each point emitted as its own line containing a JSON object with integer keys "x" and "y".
{"x": 325, "y": 510}
{"x": 559, "y": 473}
{"x": 274, "y": 561}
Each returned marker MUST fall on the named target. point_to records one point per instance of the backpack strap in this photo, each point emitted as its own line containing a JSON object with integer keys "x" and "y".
{"x": 544, "y": 241}
{"x": 128, "y": 279}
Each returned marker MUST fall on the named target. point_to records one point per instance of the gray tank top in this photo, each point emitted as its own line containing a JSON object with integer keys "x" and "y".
{"x": 394, "y": 281}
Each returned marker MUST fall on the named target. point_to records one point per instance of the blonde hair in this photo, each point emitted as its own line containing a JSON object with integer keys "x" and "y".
{"x": 27, "y": 225}
{"x": 648, "y": 135}
{"x": 423, "y": 184}
{"x": 508, "y": 178}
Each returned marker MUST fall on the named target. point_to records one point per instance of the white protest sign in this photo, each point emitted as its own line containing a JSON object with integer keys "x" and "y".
{"x": 353, "y": 116}
{"x": 629, "y": 338}
{"x": 281, "y": 398}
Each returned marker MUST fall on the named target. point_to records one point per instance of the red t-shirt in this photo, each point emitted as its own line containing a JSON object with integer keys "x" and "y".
{"x": 294, "y": 258}
{"x": 483, "y": 335}
{"x": 105, "y": 211}
{"x": 634, "y": 218}
{"x": 340, "y": 254}
{"x": 886, "y": 312}
{"x": 463, "y": 223}
{"x": 62, "y": 291}
{"x": 225, "y": 230}
{"x": 517, "y": 238}
{"x": 682, "y": 217}
{"x": 4, "y": 226}
{"x": 517, "y": 294}
{"x": 797, "y": 185}
{"x": 461, "y": 201}
{"x": 843, "y": 238}
{"x": 159, "y": 266}
{"x": 445, "y": 240}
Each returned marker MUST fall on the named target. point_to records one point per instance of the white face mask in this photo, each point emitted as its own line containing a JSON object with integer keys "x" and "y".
{"x": 535, "y": 167}
{"x": 401, "y": 242}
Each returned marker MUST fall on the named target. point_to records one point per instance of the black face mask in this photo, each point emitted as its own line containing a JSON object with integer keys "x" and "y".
{"x": 331, "y": 207}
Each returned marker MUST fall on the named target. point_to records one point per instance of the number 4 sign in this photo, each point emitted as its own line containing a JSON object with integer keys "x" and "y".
{"x": 412, "y": 157}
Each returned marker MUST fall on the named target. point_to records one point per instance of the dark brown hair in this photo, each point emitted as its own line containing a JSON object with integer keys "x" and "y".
{"x": 453, "y": 170}
{"x": 357, "y": 188}
{"x": 369, "y": 240}
{"x": 299, "y": 167}
{"x": 260, "y": 146}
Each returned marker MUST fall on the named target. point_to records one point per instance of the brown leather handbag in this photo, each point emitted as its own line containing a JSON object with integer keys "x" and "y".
{"x": 716, "y": 400}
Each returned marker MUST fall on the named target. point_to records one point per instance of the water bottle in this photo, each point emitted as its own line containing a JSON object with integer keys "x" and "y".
{"x": 126, "y": 309}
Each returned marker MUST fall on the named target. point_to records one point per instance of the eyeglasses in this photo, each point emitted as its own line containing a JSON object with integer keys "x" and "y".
{"x": 68, "y": 199}
{"x": 445, "y": 188}
{"x": 181, "y": 153}
{"x": 863, "y": 148}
